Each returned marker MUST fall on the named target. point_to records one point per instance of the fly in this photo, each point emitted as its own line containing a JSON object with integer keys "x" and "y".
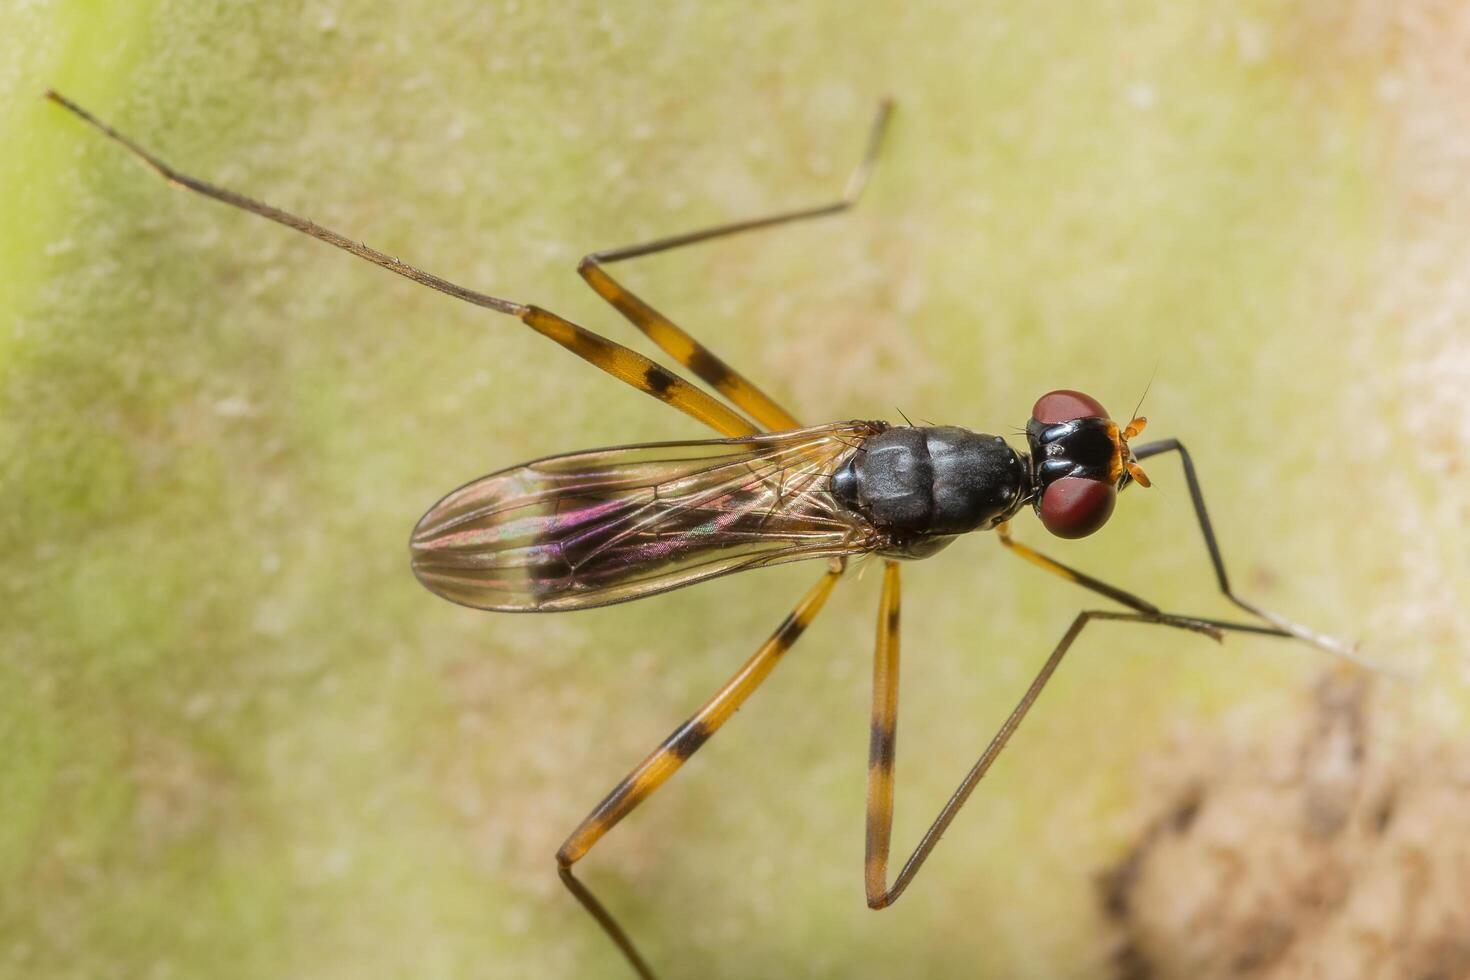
{"x": 611, "y": 525}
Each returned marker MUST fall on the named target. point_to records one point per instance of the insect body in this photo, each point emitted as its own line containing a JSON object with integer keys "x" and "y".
{"x": 588, "y": 529}
{"x": 610, "y": 525}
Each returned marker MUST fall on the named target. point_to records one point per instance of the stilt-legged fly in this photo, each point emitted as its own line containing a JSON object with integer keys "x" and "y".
{"x": 610, "y": 525}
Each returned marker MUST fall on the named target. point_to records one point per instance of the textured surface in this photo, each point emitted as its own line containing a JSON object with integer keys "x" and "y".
{"x": 238, "y": 740}
{"x": 1338, "y": 848}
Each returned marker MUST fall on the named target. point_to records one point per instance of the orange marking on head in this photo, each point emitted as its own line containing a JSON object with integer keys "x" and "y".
{"x": 1120, "y": 452}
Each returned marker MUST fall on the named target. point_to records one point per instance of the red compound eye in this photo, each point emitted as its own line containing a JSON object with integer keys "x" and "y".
{"x": 1064, "y": 405}
{"x": 1074, "y": 506}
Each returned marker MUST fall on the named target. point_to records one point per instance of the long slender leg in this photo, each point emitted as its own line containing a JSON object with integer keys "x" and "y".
{"x": 675, "y": 750}
{"x": 883, "y": 736}
{"x": 1121, "y": 596}
{"x": 1322, "y": 641}
{"x": 615, "y": 359}
{"x": 679, "y": 344}
{"x": 885, "y": 715}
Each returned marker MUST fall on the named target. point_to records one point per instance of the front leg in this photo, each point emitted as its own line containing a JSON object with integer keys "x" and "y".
{"x": 1321, "y": 641}
{"x": 1120, "y": 596}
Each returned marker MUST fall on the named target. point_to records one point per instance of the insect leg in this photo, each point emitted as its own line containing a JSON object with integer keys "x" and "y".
{"x": 1283, "y": 625}
{"x": 881, "y": 752}
{"x": 675, "y": 750}
{"x": 632, "y": 367}
{"x": 679, "y": 344}
{"x": 617, "y": 360}
{"x": 883, "y": 738}
{"x": 1121, "y": 596}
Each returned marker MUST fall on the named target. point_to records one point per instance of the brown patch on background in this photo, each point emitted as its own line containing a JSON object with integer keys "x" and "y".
{"x": 1331, "y": 851}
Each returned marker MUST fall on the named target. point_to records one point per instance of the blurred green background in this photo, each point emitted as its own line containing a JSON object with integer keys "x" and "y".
{"x": 238, "y": 740}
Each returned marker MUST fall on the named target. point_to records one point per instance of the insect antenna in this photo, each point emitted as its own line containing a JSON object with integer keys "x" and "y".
{"x": 1147, "y": 385}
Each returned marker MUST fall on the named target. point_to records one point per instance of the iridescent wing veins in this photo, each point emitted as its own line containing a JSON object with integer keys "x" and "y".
{"x": 593, "y": 528}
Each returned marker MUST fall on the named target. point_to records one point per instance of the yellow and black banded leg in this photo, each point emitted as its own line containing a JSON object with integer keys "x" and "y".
{"x": 617, "y": 360}
{"x": 883, "y": 738}
{"x": 675, "y": 750}
{"x": 678, "y": 343}
{"x": 881, "y": 753}
{"x": 640, "y": 372}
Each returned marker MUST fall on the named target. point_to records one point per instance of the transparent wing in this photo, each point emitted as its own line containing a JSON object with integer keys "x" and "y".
{"x": 593, "y": 528}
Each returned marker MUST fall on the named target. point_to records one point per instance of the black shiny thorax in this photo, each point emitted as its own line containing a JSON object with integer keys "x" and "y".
{"x": 924, "y": 484}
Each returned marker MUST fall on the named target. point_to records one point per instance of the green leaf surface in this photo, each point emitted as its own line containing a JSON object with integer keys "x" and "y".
{"x": 238, "y": 740}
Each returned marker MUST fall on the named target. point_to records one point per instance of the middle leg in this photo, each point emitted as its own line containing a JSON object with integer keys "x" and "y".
{"x": 882, "y": 752}
{"x": 678, "y": 343}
